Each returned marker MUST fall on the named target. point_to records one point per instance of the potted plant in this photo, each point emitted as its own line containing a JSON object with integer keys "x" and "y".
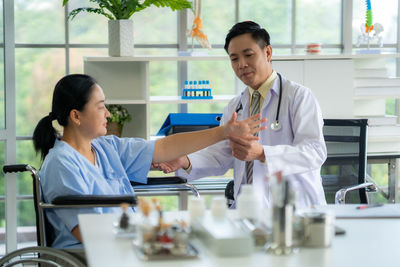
{"x": 120, "y": 27}
{"x": 118, "y": 116}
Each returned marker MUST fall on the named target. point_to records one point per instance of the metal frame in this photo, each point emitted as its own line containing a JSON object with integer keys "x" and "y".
{"x": 392, "y": 161}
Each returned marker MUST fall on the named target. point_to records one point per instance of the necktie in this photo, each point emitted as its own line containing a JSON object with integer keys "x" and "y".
{"x": 254, "y": 109}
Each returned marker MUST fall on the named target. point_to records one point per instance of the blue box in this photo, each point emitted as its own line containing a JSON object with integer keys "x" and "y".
{"x": 187, "y": 122}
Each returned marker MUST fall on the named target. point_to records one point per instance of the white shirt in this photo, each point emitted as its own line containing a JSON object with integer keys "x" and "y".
{"x": 298, "y": 149}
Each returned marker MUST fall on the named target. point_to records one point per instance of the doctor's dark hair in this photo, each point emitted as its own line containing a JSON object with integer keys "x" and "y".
{"x": 71, "y": 92}
{"x": 260, "y": 35}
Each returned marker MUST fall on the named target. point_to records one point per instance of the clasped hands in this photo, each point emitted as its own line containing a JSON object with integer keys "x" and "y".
{"x": 242, "y": 140}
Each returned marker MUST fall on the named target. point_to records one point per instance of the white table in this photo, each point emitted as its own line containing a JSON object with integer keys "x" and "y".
{"x": 367, "y": 242}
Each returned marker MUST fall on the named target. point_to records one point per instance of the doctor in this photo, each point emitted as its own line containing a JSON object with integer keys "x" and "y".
{"x": 293, "y": 142}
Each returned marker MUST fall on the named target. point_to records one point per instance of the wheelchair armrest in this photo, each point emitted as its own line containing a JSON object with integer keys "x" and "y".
{"x": 94, "y": 200}
{"x": 340, "y": 196}
{"x": 170, "y": 183}
{"x": 162, "y": 181}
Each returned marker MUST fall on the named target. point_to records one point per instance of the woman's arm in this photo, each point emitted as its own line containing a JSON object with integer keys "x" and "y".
{"x": 177, "y": 145}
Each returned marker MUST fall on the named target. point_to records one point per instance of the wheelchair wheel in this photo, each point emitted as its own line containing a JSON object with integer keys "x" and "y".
{"x": 40, "y": 256}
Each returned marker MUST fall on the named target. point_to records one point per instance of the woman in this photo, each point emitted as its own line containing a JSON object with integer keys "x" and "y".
{"x": 83, "y": 161}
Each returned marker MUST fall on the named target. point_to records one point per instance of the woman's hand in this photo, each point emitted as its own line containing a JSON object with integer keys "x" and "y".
{"x": 173, "y": 165}
{"x": 245, "y": 128}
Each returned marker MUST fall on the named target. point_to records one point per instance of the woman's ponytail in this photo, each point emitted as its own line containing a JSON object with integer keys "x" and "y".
{"x": 44, "y": 136}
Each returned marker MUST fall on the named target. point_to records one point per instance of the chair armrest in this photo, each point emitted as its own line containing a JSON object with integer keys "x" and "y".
{"x": 340, "y": 196}
{"x": 94, "y": 200}
{"x": 171, "y": 183}
{"x": 162, "y": 181}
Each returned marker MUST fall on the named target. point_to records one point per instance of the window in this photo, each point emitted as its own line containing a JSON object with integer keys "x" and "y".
{"x": 218, "y": 17}
{"x": 319, "y": 21}
{"x": 37, "y": 71}
{"x": 275, "y": 16}
{"x": 39, "y": 22}
{"x": 2, "y": 106}
{"x": 383, "y": 12}
{"x": 84, "y": 28}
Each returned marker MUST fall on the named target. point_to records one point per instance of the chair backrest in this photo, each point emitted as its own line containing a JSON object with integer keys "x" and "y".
{"x": 346, "y": 165}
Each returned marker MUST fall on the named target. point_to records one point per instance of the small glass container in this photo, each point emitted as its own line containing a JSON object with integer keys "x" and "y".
{"x": 318, "y": 229}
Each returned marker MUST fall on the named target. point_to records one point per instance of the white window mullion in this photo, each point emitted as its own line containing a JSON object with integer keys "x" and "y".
{"x": 347, "y": 30}
{"x": 10, "y": 147}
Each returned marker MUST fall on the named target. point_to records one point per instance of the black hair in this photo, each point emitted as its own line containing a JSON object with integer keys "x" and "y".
{"x": 71, "y": 92}
{"x": 260, "y": 35}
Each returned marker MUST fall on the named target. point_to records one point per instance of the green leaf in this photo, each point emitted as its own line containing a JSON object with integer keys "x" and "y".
{"x": 129, "y": 7}
{"x": 173, "y": 4}
{"x": 75, "y": 12}
{"x": 124, "y": 9}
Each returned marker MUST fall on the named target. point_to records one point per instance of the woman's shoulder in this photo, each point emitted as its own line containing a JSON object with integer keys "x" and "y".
{"x": 60, "y": 155}
{"x": 60, "y": 150}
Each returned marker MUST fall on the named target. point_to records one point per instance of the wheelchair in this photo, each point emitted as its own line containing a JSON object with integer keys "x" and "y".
{"x": 43, "y": 254}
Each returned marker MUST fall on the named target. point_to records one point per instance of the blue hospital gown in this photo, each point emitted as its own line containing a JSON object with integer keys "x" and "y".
{"x": 66, "y": 172}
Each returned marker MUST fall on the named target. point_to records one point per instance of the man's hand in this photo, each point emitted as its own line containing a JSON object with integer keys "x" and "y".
{"x": 173, "y": 165}
{"x": 246, "y": 149}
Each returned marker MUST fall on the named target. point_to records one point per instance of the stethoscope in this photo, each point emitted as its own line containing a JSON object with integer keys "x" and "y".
{"x": 276, "y": 125}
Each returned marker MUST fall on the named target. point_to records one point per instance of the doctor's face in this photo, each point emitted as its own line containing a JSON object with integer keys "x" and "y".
{"x": 251, "y": 64}
{"x": 93, "y": 118}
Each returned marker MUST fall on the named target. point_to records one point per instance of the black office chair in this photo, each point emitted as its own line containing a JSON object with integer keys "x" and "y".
{"x": 345, "y": 170}
{"x": 46, "y": 254}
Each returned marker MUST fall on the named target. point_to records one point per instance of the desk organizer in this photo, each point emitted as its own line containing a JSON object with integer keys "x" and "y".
{"x": 158, "y": 239}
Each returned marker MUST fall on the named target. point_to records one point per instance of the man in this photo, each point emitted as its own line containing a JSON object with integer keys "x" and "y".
{"x": 294, "y": 146}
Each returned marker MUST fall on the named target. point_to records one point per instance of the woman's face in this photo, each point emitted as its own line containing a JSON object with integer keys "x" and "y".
{"x": 93, "y": 117}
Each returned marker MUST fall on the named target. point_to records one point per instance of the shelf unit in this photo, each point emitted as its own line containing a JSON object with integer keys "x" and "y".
{"x": 336, "y": 81}
{"x": 125, "y": 81}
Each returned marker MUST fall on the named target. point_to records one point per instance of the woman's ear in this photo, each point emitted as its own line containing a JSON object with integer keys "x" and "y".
{"x": 74, "y": 116}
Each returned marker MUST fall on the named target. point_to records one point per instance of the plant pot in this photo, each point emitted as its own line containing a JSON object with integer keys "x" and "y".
{"x": 120, "y": 38}
{"x": 114, "y": 128}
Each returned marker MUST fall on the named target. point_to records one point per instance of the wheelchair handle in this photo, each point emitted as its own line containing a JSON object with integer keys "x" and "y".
{"x": 17, "y": 168}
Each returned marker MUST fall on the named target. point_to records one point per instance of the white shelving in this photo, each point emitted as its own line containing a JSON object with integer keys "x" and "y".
{"x": 372, "y": 87}
{"x": 125, "y": 81}
{"x": 179, "y": 100}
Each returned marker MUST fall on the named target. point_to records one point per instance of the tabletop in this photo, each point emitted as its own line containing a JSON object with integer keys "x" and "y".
{"x": 367, "y": 242}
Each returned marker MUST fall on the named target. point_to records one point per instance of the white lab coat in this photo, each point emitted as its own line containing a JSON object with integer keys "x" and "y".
{"x": 298, "y": 149}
